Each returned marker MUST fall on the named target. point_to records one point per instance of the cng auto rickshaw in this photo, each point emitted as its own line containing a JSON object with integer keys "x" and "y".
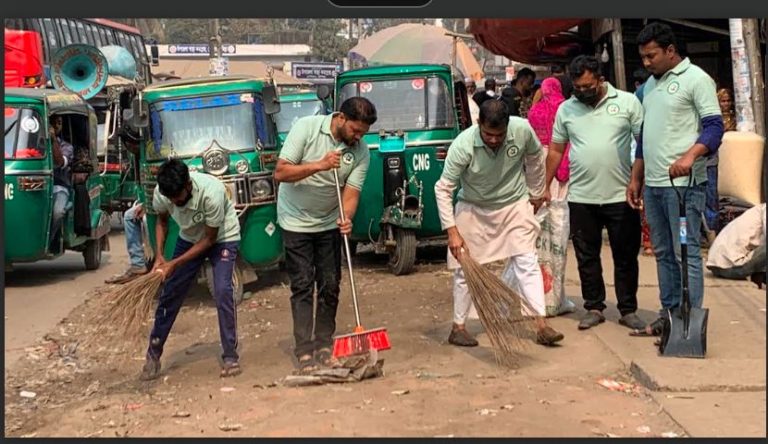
{"x": 118, "y": 161}
{"x": 221, "y": 126}
{"x": 296, "y": 105}
{"x": 421, "y": 109}
{"x": 29, "y": 187}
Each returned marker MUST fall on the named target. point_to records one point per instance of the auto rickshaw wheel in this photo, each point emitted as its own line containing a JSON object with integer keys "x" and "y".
{"x": 403, "y": 258}
{"x": 237, "y": 282}
{"x": 92, "y": 254}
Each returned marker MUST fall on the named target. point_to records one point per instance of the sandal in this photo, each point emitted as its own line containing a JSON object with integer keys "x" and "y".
{"x": 325, "y": 357}
{"x": 652, "y": 329}
{"x": 230, "y": 368}
{"x": 306, "y": 364}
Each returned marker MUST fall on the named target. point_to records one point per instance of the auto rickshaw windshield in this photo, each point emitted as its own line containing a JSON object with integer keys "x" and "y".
{"x": 407, "y": 104}
{"x": 24, "y": 134}
{"x": 188, "y": 126}
{"x": 290, "y": 112}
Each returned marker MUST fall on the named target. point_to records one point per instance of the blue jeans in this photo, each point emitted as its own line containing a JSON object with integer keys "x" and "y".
{"x": 222, "y": 257}
{"x": 133, "y": 243}
{"x": 60, "y": 201}
{"x": 662, "y": 211}
{"x": 713, "y": 204}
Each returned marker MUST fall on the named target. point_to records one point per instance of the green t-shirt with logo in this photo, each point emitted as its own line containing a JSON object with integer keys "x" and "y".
{"x": 674, "y": 106}
{"x": 311, "y": 205}
{"x": 209, "y": 206}
{"x": 601, "y": 139}
{"x": 491, "y": 179}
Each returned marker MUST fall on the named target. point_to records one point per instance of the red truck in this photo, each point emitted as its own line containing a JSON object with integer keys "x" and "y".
{"x": 23, "y": 59}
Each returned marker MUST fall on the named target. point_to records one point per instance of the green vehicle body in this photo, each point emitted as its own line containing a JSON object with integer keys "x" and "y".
{"x": 118, "y": 155}
{"x": 29, "y": 177}
{"x": 296, "y": 105}
{"x": 421, "y": 109}
{"x": 212, "y": 109}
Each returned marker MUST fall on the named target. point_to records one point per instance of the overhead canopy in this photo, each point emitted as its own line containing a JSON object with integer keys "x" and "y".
{"x": 185, "y": 68}
{"x": 532, "y": 41}
{"x": 412, "y": 43}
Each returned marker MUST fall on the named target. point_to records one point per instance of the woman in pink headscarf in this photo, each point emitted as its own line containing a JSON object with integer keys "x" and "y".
{"x": 542, "y": 118}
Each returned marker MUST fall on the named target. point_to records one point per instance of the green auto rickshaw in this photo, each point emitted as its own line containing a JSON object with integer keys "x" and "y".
{"x": 296, "y": 105}
{"x": 421, "y": 109}
{"x": 221, "y": 126}
{"x": 118, "y": 148}
{"x": 29, "y": 186}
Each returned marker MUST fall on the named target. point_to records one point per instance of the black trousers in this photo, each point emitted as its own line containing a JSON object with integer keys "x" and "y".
{"x": 313, "y": 260}
{"x": 623, "y": 225}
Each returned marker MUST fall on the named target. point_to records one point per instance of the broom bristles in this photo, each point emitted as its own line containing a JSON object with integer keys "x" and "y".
{"x": 127, "y": 310}
{"x": 500, "y": 309}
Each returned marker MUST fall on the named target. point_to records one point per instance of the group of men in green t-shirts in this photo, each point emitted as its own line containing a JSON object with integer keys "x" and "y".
{"x": 503, "y": 175}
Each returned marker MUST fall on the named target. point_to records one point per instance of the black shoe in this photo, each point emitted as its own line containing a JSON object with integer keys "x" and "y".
{"x": 592, "y": 318}
{"x": 462, "y": 338}
{"x": 151, "y": 369}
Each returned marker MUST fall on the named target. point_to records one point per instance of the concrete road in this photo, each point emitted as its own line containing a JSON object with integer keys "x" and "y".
{"x": 39, "y": 295}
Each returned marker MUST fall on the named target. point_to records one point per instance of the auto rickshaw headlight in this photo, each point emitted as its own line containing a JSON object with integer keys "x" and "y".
{"x": 241, "y": 166}
{"x": 261, "y": 189}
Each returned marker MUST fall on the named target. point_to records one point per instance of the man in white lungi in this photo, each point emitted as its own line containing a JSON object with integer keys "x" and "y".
{"x": 494, "y": 218}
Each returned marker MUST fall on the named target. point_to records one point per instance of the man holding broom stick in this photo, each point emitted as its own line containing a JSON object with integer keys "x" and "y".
{"x": 308, "y": 214}
{"x": 493, "y": 218}
{"x": 208, "y": 228}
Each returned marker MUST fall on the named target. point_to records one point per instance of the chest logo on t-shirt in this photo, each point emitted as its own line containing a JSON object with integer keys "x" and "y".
{"x": 513, "y": 150}
{"x": 673, "y": 87}
{"x": 197, "y": 218}
{"x": 348, "y": 158}
{"x": 613, "y": 109}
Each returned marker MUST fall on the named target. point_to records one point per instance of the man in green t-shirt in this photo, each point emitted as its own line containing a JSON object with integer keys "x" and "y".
{"x": 208, "y": 229}
{"x": 600, "y": 122}
{"x": 308, "y": 214}
{"x": 682, "y": 126}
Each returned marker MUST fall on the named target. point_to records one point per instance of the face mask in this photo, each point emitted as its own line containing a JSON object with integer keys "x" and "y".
{"x": 587, "y": 97}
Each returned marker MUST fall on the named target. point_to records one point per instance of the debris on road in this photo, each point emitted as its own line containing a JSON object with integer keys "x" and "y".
{"x": 617, "y": 386}
{"x": 644, "y": 429}
{"x": 182, "y": 414}
{"x": 487, "y": 412}
{"x": 670, "y": 435}
{"x": 401, "y": 392}
{"x": 230, "y": 427}
{"x": 28, "y": 395}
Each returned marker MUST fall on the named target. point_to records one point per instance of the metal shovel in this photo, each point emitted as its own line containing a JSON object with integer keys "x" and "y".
{"x": 684, "y": 334}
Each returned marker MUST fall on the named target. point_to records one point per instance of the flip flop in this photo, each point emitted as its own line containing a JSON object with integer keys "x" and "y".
{"x": 656, "y": 327}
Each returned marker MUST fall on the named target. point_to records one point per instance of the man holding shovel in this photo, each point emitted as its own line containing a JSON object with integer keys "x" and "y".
{"x": 494, "y": 218}
{"x": 308, "y": 213}
{"x": 682, "y": 125}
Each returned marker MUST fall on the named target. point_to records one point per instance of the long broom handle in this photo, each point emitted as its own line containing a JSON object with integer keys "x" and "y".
{"x": 346, "y": 248}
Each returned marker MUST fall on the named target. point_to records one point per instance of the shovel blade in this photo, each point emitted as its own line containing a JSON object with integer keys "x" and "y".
{"x": 677, "y": 342}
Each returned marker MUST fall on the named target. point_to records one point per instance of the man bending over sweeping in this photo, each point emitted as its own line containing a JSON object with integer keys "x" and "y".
{"x": 494, "y": 219}
{"x": 208, "y": 229}
{"x": 308, "y": 213}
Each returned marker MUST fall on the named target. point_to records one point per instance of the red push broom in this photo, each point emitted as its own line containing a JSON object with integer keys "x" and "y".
{"x": 360, "y": 340}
